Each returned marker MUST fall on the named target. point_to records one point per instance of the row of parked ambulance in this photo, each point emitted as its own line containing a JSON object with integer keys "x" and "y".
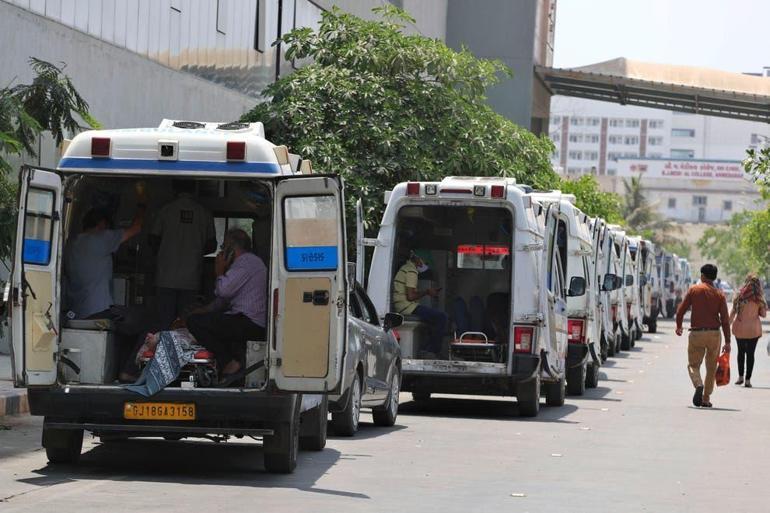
{"x": 536, "y": 294}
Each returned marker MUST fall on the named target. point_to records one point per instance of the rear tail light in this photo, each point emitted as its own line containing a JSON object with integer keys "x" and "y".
{"x": 413, "y": 189}
{"x": 575, "y": 331}
{"x": 628, "y": 310}
{"x": 522, "y": 339}
{"x": 397, "y": 335}
{"x": 100, "y": 146}
{"x": 498, "y": 191}
{"x": 614, "y": 310}
{"x": 236, "y": 151}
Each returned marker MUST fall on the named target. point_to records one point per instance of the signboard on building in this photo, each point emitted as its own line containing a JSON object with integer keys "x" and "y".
{"x": 721, "y": 170}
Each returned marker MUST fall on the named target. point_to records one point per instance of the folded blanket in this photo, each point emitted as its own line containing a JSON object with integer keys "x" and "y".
{"x": 175, "y": 350}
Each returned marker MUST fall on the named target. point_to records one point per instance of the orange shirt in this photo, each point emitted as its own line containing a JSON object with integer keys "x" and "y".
{"x": 709, "y": 309}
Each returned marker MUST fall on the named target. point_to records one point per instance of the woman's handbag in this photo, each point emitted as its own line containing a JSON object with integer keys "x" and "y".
{"x": 723, "y": 369}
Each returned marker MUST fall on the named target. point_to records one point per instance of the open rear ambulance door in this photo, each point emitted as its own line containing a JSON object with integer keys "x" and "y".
{"x": 34, "y": 297}
{"x": 553, "y": 299}
{"x": 309, "y": 285}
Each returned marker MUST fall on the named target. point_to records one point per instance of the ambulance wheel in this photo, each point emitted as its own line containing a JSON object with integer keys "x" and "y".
{"x": 386, "y": 415}
{"x": 345, "y": 422}
{"x": 625, "y": 341}
{"x": 611, "y": 346}
{"x": 576, "y": 380}
{"x": 282, "y": 448}
{"x": 592, "y": 375}
{"x": 669, "y": 309}
{"x": 314, "y": 427}
{"x": 652, "y": 325}
{"x": 62, "y": 446}
{"x": 528, "y": 397}
{"x": 555, "y": 393}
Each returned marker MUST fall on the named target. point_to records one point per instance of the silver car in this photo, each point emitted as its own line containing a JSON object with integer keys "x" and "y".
{"x": 372, "y": 367}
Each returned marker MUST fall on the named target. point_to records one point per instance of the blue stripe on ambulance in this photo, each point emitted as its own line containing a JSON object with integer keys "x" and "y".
{"x": 311, "y": 258}
{"x": 169, "y": 165}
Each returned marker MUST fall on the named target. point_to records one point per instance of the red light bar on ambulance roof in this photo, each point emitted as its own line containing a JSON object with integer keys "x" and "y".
{"x": 413, "y": 189}
{"x": 100, "y": 146}
{"x": 481, "y": 249}
{"x": 236, "y": 151}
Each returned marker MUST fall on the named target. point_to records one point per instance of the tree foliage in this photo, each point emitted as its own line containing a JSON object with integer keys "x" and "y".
{"x": 50, "y": 103}
{"x": 728, "y": 247}
{"x": 592, "y": 200}
{"x": 642, "y": 217}
{"x": 380, "y": 107}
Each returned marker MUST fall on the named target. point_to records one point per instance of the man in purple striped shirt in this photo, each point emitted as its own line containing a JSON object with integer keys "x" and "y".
{"x": 239, "y": 311}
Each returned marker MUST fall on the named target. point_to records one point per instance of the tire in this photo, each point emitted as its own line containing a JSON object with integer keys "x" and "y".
{"x": 62, "y": 446}
{"x": 592, "y": 375}
{"x": 385, "y": 415}
{"x": 652, "y": 324}
{"x": 314, "y": 427}
{"x": 556, "y": 393}
{"x": 612, "y": 346}
{"x": 669, "y": 309}
{"x": 576, "y": 380}
{"x": 345, "y": 422}
{"x": 625, "y": 341}
{"x": 528, "y": 397}
{"x": 420, "y": 397}
{"x": 281, "y": 449}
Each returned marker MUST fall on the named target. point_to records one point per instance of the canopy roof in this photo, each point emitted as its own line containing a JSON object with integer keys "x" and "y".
{"x": 664, "y": 86}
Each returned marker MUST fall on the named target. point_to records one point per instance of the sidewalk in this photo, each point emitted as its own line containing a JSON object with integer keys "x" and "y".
{"x": 12, "y": 400}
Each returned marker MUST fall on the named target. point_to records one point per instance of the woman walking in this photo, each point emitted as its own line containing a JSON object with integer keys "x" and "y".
{"x": 748, "y": 306}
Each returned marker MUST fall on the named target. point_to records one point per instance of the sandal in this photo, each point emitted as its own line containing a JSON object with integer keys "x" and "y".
{"x": 706, "y": 404}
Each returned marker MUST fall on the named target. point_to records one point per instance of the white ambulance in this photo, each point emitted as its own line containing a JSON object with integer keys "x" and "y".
{"x": 501, "y": 286}
{"x": 622, "y": 297}
{"x": 575, "y": 249}
{"x": 296, "y": 222}
{"x": 640, "y": 287}
{"x": 604, "y": 263}
{"x": 649, "y": 285}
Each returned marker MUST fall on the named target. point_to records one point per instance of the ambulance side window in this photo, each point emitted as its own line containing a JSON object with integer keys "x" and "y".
{"x": 38, "y": 227}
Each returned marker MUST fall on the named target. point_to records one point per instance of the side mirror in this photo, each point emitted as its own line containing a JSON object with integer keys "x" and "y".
{"x": 610, "y": 283}
{"x": 629, "y": 280}
{"x": 642, "y": 280}
{"x": 577, "y": 286}
{"x": 392, "y": 320}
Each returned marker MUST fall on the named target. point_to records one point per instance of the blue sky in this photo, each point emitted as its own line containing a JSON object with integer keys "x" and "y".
{"x": 733, "y": 35}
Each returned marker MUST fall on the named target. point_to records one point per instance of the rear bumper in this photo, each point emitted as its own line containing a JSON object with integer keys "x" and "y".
{"x": 468, "y": 377}
{"x": 577, "y": 355}
{"x": 216, "y": 411}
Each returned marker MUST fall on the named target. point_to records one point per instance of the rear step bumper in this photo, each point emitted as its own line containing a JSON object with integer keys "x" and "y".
{"x": 216, "y": 411}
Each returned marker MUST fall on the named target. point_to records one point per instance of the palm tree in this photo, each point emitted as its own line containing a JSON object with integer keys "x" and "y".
{"x": 642, "y": 217}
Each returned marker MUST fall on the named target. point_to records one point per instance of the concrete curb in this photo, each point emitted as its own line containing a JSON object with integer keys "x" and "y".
{"x": 13, "y": 402}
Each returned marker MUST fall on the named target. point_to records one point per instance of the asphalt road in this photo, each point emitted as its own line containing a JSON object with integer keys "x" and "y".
{"x": 634, "y": 444}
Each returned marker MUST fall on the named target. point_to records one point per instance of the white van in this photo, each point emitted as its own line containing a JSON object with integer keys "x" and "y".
{"x": 649, "y": 285}
{"x": 637, "y": 314}
{"x": 622, "y": 298}
{"x": 668, "y": 281}
{"x": 575, "y": 246}
{"x": 483, "y": 240}
{"x": 605, "y": 262}
{"x": 69, "y": 366}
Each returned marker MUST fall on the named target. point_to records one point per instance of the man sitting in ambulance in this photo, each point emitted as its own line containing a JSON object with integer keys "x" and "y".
{"x": 405, "y": 301}
{"x": 239, "y": 311}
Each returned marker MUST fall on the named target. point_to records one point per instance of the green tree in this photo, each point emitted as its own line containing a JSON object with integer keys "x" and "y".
{"x": 50, "y": 103}
{"x": 592, "y": 200}
{"x": 380, "y": 107}
{"x": 641, "y": 216}
{"x": 726, "y": 246}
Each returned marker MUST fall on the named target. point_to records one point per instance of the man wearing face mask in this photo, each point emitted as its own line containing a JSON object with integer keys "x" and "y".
{"x": 405, "y": 301}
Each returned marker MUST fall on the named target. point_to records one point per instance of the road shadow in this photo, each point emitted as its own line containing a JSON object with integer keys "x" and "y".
{"x": 487, "y": 409}
{"x": 599, "y": 393}
{"x": 367, "y": 431}
{"x": 713, "y": 408}
{"x": 193, "y": 462}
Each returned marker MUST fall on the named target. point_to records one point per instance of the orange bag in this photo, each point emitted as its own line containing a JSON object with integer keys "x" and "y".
{"x": 723, "y": 369}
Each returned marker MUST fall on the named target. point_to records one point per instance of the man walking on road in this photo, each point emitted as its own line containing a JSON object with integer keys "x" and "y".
{"x": 709, "y": 314}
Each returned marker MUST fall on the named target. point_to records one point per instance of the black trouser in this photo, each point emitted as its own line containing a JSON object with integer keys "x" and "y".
{"x": 224, "y": 335}
{"x": 172, "y": 304}
{"x": 746, "y": 348}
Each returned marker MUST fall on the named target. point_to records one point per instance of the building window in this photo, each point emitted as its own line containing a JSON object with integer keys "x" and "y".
{"x": 593, "y": 121}
{"x": 556, "y": 155}
{"x": 632, "y": 123}
{"x": 222, "y": 16}
{"x": 631, "y": 139}
{"x": 655, "y": 140}
{"x": 591, "y": 155}
{"x": 555, "y": 120}
{"x": 615, "y": 122}
{"x": 727, "y": 205}
{"x": 655, "y": 155}
{"x": 655, "y": 123}
{"x": 556, "y": 137}
{"x": 682, "y": 154}
{"x": 592, "y": 138}
{"x": 682, "y": 132}
{"x": 576, "y": 138}
{"x": 573, "y": 170}
{"x": 577, "y": 121}
{"x": 699, "y": 201}
{"x": 671, "y": 202}
{"x": 630, "y": 155}
{"x": 612, "y": 155}
{"x": 611, "y": 171}
{"x": 615, "y": 139}
{"x": 576, "y": 155}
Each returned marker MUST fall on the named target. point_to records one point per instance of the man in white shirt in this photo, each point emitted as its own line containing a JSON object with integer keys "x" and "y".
{"x": 183, "y": 232}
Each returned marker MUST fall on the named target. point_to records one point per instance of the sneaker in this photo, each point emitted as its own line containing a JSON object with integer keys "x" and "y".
{"x": 740, "y": 380}
{"x": 697, "y": 398}
{"x": 748, "y": 383}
